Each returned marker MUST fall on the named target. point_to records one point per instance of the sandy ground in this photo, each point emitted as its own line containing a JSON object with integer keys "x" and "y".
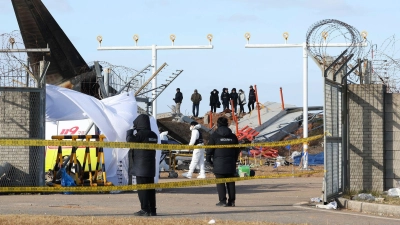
{"x": 280, "y": 200}
{"x": 264, "y": 171}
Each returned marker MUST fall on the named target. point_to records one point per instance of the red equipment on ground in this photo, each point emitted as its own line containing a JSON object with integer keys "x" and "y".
{"x": 265, "y": 152}
{"x": 247, "y": 133}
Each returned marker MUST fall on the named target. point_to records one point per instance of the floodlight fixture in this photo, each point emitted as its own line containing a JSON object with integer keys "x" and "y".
{"x": 136, "y": 38}
{"x": 364, "y": 34}
{"x": 12, "y": 42}
{"x": 99, "y": 39}
{"x": 285, "y": 35}
{"x": 210, "y": 37}
{"x": 247, "y": 36}
{"x": 172, "y": 37}
{"x": 324, "y": 35}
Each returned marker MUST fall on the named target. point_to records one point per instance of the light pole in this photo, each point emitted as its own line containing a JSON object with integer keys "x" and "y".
{"x": 154, "y": 49}
{"x": 305, "y": 74}
{"x": 12, "y": 50}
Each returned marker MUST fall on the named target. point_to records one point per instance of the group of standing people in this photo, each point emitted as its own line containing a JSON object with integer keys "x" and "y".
{"x": 223, "y": 161}
{"x": 195, "y": 98}
{"x": 238, "y": 98}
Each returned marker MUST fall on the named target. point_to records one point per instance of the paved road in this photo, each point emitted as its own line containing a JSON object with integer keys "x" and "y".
{"x": 273, "y": 200}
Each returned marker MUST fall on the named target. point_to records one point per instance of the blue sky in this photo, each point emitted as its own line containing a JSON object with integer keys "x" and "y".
{"x": 229, "y": 64}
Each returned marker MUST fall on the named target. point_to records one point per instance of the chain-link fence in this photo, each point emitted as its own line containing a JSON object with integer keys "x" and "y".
{"x": 18, "y": 76}
{"x": 22, "y": 116}
{"x": 333, "y": 184}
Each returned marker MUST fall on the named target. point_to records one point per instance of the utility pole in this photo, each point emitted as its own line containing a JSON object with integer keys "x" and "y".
{"x": 154, "y": 48}
{"x": 305, "y": 75}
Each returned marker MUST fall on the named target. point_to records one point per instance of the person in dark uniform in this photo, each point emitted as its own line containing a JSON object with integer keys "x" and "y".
{"x": 225, "y": 99}
{"x": 252, "y": 98}
{"x": 224, "y": 161}
{"x": 178, "y": 101}
{"x": 144, "y": 163}
{"x": 234, "y": 97}
{"x": 214, "y": 101}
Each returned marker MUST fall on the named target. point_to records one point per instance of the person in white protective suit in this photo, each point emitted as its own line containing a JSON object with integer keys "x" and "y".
{"x": 198, "y": 154}
{"x": 163, "y": 137}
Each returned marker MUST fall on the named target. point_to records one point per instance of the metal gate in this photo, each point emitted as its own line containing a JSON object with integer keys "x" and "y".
{"x": 333, "y": 160}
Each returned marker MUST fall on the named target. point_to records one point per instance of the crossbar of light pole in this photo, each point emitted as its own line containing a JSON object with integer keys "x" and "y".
{"x": 154, "y": 49}
{"x": 157, "y": 47}
{"x": 26, "y": 50}
{"x": 364, "y": 44}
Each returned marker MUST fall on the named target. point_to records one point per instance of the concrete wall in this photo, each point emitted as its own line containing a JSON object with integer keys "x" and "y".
{"x": 20, "y": 118}
{"x": 392, "y": 139}
{"x": 366, "y": 137}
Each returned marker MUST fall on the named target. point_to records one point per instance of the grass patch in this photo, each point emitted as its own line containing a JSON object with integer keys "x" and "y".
{"x": 108, "y": 220}
{"x": 390, "y": 200}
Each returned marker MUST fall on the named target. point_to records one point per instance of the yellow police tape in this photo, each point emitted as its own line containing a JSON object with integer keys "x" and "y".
{"x": 180, "y": 184}
{"x": 36, "y": 142}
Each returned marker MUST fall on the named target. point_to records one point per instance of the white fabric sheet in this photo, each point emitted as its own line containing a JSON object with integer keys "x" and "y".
{"x": 113, "y": 116}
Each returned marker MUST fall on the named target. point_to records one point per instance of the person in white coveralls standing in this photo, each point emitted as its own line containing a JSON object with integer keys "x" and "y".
{"x": 198, "y": 154}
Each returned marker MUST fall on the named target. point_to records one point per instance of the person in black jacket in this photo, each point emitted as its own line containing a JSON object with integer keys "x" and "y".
{"x": 234, "y": 97}
{"x": 178, "y": 101}
{"x": 214, "y": 102}
{"x": 252, "y": 98}
{"x": 224, "y": 160}
{"x": 144, "y": 163}
{"x": 196, "y": 99}
{"x": 225, "y": 99}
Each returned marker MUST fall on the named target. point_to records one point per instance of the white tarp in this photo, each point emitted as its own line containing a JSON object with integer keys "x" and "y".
{"x": 113, "y": 116}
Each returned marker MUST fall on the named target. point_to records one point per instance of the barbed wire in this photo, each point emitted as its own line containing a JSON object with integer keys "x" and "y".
{"x": 15, "y": 70}
{"x": 384, "y": 60}
{"x": 329, "y": 31}
{"x": 385, "y": 63}
{"x": 323, "y": 32}
{"x": 118, "y": 76}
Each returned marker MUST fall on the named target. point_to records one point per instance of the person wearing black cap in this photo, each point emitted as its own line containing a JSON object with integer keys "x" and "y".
{"x": 178, "y": 101}
{"x": 252, "y": 98}
{"x": 224, "y": 161}
{"x": 198, "y": 153}
{"x": 196, "y": 98}
{"x": 144, "y": 163}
